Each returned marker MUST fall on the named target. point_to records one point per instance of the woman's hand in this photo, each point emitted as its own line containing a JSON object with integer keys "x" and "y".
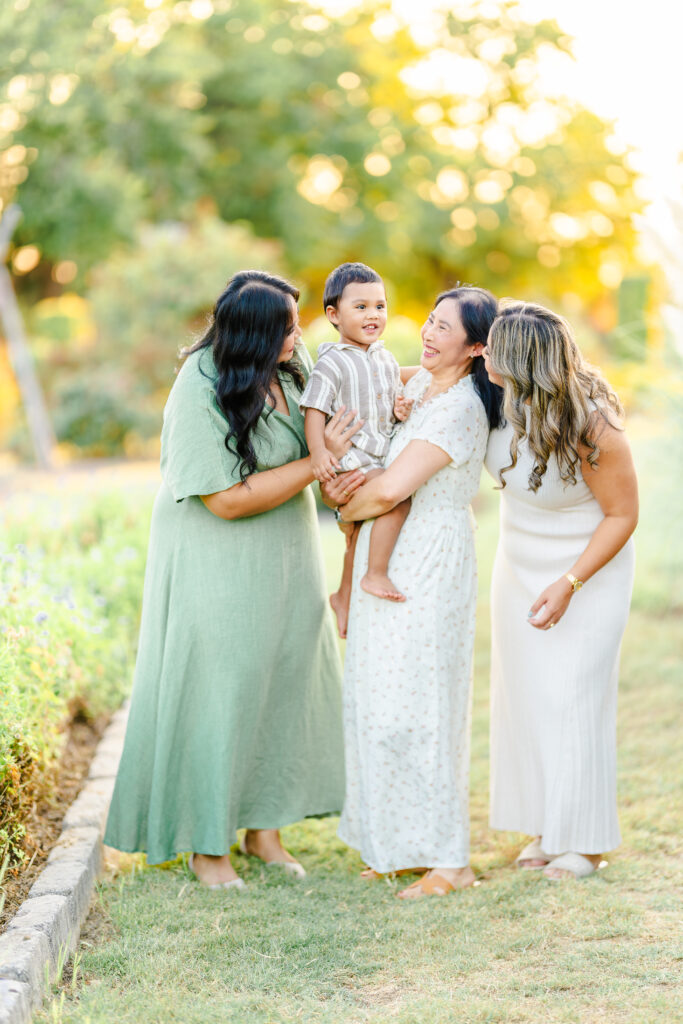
{"x": 340, "y": 430}
{"x": 338, "y": 491}
{"x": 551, "y": 605}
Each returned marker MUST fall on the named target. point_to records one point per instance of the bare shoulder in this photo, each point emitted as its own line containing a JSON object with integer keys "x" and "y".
{"x": 408, "y": 372}
{"x": 608, "y": 433}
{"x": 612, "y": 475}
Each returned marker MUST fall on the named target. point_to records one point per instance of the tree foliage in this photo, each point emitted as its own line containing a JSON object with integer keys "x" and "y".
{"x": 109, "y": 361}
{"x": 340, "y": 137}
{"x": 155, "y": 146}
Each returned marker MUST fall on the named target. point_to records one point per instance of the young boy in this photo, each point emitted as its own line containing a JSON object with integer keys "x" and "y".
{"x": 359, "y": 373}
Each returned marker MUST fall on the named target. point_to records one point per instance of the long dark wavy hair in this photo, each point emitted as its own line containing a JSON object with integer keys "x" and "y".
{"x": 478, "y": 309}
{"x": 246, "y": 333}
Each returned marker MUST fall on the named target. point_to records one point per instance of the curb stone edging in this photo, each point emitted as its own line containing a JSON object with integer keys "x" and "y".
{"x": 49, "y": 921}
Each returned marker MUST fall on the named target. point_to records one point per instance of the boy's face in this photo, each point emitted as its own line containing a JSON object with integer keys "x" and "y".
{"x": 361, "y": 314}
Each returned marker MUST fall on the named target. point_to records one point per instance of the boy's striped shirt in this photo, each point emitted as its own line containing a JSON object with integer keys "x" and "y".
{"x": 364, "y": 379}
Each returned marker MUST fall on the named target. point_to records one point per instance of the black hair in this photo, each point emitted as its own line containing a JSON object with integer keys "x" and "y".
{"x": 344, "y": 274}
{"x": 478, "y": 309}
{"x": 246, "y": 333}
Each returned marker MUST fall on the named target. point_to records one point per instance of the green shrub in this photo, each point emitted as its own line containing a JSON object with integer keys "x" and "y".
{"x": 97, "y": 417}
{"x": 70, "y": 588}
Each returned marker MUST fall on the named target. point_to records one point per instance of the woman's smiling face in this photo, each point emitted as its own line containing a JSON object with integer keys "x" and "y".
{"x": 444, "y": 339}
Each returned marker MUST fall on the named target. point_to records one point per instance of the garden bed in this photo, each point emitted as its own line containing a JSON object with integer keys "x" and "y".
{"x": 71, "y": 573}
{"x": 44, "y": 821}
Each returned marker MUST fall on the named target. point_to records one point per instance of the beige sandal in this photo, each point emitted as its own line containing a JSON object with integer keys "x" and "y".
{"x": 370, "y": 875}
{"x": 431, "y": 885}
{"x": 574, "y": 863}
{"x": 532, "y": 851}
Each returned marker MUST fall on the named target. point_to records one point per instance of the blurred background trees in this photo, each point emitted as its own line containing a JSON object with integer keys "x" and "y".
{"x": 155, "y": 147}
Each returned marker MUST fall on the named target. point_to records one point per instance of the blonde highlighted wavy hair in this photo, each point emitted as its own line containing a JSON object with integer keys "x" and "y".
{"x": 534, "y": 352}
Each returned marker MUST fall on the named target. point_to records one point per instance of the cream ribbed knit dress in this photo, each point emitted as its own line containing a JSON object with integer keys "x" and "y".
{"x": 554, "y": 692}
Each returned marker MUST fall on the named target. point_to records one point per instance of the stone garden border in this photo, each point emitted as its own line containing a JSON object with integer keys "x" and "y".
{"x": 45, "y": 930}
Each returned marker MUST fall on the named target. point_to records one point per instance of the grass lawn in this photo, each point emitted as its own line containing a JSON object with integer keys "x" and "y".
{"x": 515, "y": 948}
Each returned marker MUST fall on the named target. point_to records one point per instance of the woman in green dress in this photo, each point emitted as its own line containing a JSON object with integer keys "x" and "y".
{"x": 235, "y": 717}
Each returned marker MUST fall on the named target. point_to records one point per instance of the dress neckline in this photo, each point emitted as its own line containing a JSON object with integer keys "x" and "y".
{"x": 421, "y": 402}
{"x": 287, "y": 415}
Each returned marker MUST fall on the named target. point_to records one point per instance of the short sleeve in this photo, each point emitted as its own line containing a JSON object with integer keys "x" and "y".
{"x": 322, "y": 388}
{"x": 454, "y": 425}
{"x": 194, "y": 459}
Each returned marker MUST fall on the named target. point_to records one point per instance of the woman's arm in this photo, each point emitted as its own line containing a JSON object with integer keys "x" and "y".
{"x": 262, "y": 491}
{"x": 265, "y": 491}
{"x": 418, "y": 461}
{"x": 407, "y": 372}
{"x": 615, "y": 487}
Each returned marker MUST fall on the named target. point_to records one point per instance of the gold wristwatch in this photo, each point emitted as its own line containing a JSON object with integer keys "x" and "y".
{"x": 576, "y": 584}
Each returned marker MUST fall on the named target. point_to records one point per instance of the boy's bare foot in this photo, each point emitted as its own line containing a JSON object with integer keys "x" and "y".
{"x": 340, "y": 607}
{"x": 381, "y": 586}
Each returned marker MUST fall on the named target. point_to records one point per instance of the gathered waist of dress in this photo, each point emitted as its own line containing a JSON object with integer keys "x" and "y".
{"x": 441, "y": 512}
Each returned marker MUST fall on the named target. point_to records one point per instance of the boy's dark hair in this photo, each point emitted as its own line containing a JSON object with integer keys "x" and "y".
{"x": 347, "y": 273}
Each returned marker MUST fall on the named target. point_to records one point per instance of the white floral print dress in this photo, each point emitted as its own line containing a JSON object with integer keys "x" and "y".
{"x": 408, "y": 669}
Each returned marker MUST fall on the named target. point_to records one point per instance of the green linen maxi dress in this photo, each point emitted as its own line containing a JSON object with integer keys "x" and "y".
{"x": 235, "y": 717}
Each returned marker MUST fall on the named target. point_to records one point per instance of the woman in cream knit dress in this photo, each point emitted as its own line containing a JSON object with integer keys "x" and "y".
{"x": 560, "y": 593}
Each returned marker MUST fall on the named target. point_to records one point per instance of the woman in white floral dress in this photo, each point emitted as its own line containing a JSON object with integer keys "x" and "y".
{"x": 407, "y": 678}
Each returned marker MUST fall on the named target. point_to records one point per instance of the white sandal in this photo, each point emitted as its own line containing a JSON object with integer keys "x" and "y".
{"x": 290, "y": 867}
{"x": 533, "y": 851}
{"x": 238, "y": 884}
{"x": 578, "y": 865}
